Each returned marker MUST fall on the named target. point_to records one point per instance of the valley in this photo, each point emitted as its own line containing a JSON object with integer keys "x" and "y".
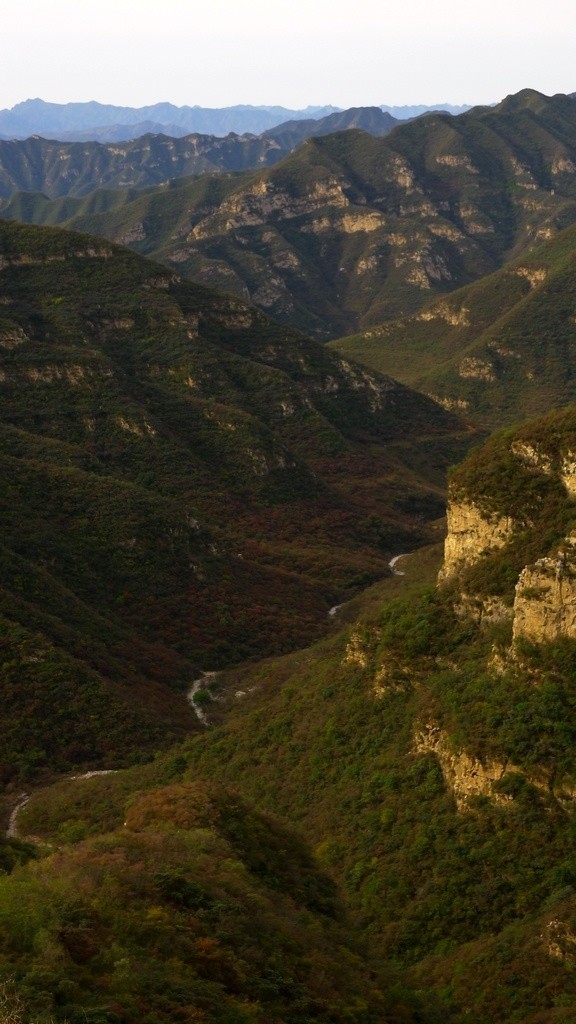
{"x": 430, "y": 771}
{"x": 279, "y": 743}
{"x": 186, "y": 485}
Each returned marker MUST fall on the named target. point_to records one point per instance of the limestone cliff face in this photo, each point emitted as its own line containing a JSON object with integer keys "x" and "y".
{"x": 472, "y": 533}
{"x": 483, "y": 610}
{"x": 544, "y": 597}
{"x": 264, "y": 202}
{"x": 545, "y": 601}
{"x": 466, "y": 776}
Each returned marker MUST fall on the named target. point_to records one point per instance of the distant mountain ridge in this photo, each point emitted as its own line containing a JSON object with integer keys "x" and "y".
{"x": 107, "y": 122}
{"x": 407, "y": 111}
{"x": 77, "y": 168}
{"x": 35, "y": 117}
{"x": 350, "y": 230}
{"x": 373, "y": 120}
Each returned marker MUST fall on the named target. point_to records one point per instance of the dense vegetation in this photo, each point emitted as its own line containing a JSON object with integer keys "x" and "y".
{"x": 199, "y": 909}
{"x": 473, "y": 900}
{"x": 369, "y": 741}
{"x": 185, "y": 485}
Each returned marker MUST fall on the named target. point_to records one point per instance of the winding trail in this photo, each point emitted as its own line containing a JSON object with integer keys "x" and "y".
{"x": 13, "y": 832}
{"x": 203, "y": 681}
{"x": 392, "y": 563}
{"x": 200, "y": 684}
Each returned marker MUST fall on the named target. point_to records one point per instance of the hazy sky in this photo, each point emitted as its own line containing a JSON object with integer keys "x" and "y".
{"x": 291, "y": 52}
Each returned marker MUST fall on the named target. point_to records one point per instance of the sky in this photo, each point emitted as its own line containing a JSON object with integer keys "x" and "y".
{"x": 218, "y": 53}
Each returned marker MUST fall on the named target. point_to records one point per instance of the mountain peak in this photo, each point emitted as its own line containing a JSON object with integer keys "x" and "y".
{"x": 526, "y": 99}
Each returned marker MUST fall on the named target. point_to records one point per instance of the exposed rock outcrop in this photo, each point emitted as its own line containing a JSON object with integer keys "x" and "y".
{"x": 443, "y": 311}
{"x": 263, "y": 202}
{"x": 468, "y": 777}
{"x": 472, "y": 534}
{"x": 358, "y": 650}
{"x": 465, "y": 776}
{"x": 483, "y": 610}
{"x": 545, "y": 601}
{"x": 543, "y": 467}
{"x": 477, "y": 369}
{"x": 560, "y": 941}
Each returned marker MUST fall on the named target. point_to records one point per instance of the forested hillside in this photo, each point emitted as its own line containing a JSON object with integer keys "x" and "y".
{"x": 254, "y": 767}
{"x": 185, "y": 485}
{"x": 426, "y": 751}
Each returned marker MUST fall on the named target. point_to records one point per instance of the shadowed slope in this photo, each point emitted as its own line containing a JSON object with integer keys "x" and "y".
{"x": 185, "y": 485}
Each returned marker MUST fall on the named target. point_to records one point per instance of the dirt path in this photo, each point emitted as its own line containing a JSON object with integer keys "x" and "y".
{"x": 200, "y": 684}
{"x": 393, "y": 562}
{"x": 12, "y": 830}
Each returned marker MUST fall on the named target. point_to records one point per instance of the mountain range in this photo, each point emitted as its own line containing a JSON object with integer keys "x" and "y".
{"x": 36, "y": 117}
{"x": 350, "y": 230}
{"x": 61, "y": 169}
{"x": 103, "y": 122}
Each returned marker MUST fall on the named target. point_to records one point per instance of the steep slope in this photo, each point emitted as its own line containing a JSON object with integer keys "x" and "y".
{"x": 199, "y": 908}
{"x": 185, "y": 485}
{"x": 428, "y": 752}
{"x": 350, "y": 230}
{"x": 496, "y": 351}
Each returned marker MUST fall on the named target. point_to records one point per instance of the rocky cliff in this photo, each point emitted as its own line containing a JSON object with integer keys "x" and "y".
{"x": 472, "y": 533}
{"x": 545, "y": 598}
{"x": 510, "y": 530}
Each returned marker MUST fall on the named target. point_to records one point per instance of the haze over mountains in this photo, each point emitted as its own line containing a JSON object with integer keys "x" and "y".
{"x": 106, "y": 122}
{"x": 60, "y": 169}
